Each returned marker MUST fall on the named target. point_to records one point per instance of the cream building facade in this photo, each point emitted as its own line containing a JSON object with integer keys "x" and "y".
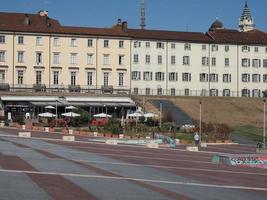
{"x": 69, "y": 58}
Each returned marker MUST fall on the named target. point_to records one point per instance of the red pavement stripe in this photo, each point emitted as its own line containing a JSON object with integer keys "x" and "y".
{"x": 60, "y": 188}
{"x": 146, "y": 185}
{"x": 47, "y": 154}
{"x": 14, "y": 163}
{"x": 56, "y": 186}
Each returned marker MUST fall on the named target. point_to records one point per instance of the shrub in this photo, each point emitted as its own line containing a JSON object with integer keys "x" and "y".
{"x": 21, "y": 120}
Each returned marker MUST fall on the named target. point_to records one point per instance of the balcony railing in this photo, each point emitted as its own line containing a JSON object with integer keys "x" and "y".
{"x": 42, "y": 88}
{"x": 119, "y": 90}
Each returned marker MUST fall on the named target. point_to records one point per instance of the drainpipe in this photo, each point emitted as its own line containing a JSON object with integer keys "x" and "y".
{"x": 13, "y": 62}
{"x": 49, "y": 58}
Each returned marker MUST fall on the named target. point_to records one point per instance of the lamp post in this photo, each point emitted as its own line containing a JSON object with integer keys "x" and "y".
{"x": 136, "y": 109}
{"x": 160, "y": 114}
{"x": 200, "y": 121}
{"x": 56, "y": 113}
{"x": 264, "y": 133}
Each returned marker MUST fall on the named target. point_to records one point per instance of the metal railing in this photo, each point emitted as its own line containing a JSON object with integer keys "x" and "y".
{"x": 101, "y": 89}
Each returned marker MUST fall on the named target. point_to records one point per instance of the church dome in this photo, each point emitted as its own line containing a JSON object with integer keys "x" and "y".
{"x": 216, "y": 25}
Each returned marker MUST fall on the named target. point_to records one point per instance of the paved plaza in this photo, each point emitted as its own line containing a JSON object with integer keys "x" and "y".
{"x": 45, "y": 168}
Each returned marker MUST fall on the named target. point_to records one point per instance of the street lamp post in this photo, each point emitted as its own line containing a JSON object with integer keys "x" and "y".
{"x": 264, "y": 133}
{"x": 160, "y": 114}
{"x": 56, "y": 113}
{"x": 200, "y": 121}
{"x": 136, "y": 120}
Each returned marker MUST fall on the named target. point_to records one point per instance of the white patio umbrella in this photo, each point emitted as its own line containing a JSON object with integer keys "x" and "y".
{"x": 70, "y": 114}
{"x": 70, "y": 107}
{"x": 50, "y": 107}
{"x": 47, "y": 114}
{"x": 150, "y": 115}
{"x": 135, "y": 114}
{"x": 102, "y": 115}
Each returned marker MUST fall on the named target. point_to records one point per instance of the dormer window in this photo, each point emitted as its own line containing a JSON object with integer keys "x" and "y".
{"x": 245, "y": 49}
{"x": 73, "y": 42}
{"x": 2, "y": 39}
{"x": 187, "y": 46}
{"x": 20, "y": 40}
{"x": 214, "y": 47}
{"x": 160, "y": 45}
{"x": 39, "y": 40}
{"x": 106, "y": 43}
{"x": 137, "y": 44}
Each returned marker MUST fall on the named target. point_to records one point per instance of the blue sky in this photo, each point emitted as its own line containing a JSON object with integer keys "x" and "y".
{"x": 179, "y": 15}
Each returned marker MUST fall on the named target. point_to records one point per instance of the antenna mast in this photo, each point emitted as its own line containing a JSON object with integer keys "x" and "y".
{"x": 143, "y": 18}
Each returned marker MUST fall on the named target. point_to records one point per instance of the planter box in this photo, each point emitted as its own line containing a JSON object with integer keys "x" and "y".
{"x": 89, "y": 133}
{"x": 100, "y": 135}
{"x": 18, "y": 126}
{"x": 107, "y": 135}
{"x": 65, "y": 131}
{"x": 83, "y": 133}
{"x": 29, "y": 127}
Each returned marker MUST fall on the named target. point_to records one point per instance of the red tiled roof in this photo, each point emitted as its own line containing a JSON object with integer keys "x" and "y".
{"x": 236, "y": 37}
{"x": 169, "y": 35}
{"x": 38, "y": 24}
{"x": 14, "y": 22}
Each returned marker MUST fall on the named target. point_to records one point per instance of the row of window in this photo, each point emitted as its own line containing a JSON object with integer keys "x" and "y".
{"x": 56, "y": 77}
{"x": 56, "y": 41}
{"x": 187, "y": 92}
{"x": 203, "y": 77}
{"x": 56, "y": 58}
{"x": 187, "y": 46}
{"x": 204, "y": 61}
{"x": 186, "y": 59}
{"x": 255, "y": 62}
{"x": 159, "y": 45}
{"x": 159, "y": 76}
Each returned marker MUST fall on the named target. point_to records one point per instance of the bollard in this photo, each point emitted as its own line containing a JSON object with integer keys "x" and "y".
{"x": 192, "y": 148}
{"x": 112, "y": 142}
{"x": 152, "y": 145}
{"x": 68, "y": 138}
{"x": 24, "y": 134}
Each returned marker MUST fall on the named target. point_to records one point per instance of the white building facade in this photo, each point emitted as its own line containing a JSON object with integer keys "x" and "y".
{"x": 221, "y": 62}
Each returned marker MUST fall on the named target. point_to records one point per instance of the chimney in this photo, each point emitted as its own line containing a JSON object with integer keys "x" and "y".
{"x": 43, "y": 13}
{"x": 125, "y": 26}
{"x": 119, "y": 22}
{"x": 27, "y": 20}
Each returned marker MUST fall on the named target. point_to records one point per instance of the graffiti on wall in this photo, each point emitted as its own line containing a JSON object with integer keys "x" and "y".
{"x": 249, "y": 161}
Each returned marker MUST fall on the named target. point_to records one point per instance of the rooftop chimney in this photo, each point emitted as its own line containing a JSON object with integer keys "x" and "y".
{"x": 27, "y": 20}
{"x": 125, "y": 26}
{"x": 43, "y": 13}
{"x": 119, "y": 22}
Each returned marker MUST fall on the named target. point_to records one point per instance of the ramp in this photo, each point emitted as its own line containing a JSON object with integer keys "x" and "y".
{"x": 179, "y": 116}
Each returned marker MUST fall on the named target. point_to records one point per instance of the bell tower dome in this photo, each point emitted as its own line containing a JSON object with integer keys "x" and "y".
{"x": 246, "y": 20}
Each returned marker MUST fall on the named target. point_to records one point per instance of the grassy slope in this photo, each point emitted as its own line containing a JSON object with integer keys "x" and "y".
{"x": 245, "y": 115}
